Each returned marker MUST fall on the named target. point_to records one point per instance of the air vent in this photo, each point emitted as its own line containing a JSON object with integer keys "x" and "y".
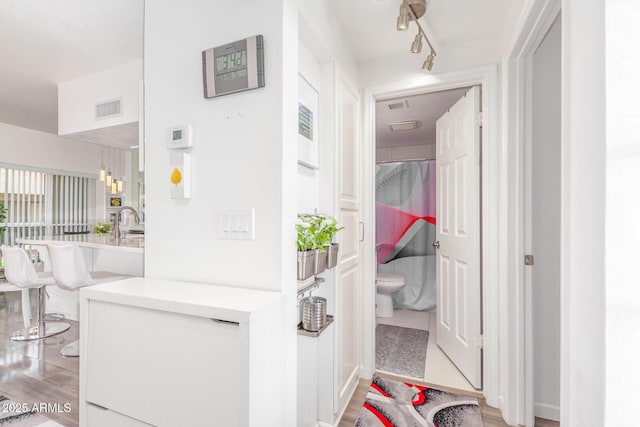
{"x": 398, "y": 105}
{"x": 406, "y": 125}
{"x": 108, "y": 109}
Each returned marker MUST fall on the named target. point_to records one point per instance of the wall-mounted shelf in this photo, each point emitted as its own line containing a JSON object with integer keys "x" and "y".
{"x": 314, "y": 334}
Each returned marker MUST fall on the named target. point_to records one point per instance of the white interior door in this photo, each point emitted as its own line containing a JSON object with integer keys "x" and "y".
{"x": 348, "y": 270}
{"x": 458, "y": 235}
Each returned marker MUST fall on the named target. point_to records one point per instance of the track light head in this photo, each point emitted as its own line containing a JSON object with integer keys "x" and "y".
{"x": 428, "y": 63}
{"x": 416, "y": 44}
{"x": 402, "y": 23}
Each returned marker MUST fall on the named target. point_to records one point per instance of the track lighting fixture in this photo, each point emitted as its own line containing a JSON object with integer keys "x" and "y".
{"x": 403, "y": 17}
{"x": 412, "y": 10}
{"x": 428, "y": 63}
{"x": 416, "y": 45}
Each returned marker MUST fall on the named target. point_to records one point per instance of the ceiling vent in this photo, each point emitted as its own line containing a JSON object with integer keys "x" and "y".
{"x": 406, "y": 125}
{"x": 109, "y": 109}
{"x": 398, "y": 105}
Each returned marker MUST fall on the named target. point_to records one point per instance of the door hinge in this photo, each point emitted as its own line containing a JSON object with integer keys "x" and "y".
{"x": 480, "y": 341}
{"x": 528, "y": 260}
{"x": 479, "y": 119}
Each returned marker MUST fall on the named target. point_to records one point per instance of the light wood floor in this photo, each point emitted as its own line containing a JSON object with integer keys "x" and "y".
{"x": 34, "y": 371}
{"x": 490, "y": 416}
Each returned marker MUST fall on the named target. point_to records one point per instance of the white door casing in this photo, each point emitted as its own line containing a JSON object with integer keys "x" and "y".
{"x": 458, "y": 286}
{"x": 348, "y": 278}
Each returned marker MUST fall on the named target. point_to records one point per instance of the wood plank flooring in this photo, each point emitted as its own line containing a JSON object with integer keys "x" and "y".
{"x": 34, "y": 371}
{"x": 491, "y": 417}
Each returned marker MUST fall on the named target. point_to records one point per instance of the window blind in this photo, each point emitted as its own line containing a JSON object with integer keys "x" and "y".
{"x": 40, "y": 203}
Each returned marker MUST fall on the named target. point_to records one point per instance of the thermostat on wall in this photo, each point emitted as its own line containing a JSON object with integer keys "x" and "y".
{"x": 233, "y": 67}
{"x": 179, "y": 137}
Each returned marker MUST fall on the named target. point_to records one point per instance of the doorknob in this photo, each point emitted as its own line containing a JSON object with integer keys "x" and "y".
{"x": 436, "y": 244}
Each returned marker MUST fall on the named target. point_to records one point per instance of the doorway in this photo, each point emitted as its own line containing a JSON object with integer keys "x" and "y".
{"x": 407, "y": 259}
{"x": 485, "y": 78}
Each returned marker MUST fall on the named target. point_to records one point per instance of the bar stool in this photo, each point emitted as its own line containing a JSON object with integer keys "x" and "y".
{"x": 71, "y": 273}
{"x": 20, "y": 272}
{"x": 26, "y": 307}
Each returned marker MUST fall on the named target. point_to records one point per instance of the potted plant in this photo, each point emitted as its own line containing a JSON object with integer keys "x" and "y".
{"x": 102, "y": 228}
{"x": 327, "y": 227}
{"x": 315, "y": 248}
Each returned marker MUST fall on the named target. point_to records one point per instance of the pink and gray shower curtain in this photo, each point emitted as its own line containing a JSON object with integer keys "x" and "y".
{"x": 405, "y": 229}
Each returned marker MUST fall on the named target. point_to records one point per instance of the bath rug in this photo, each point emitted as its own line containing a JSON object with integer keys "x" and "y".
{"x": 16, "y": 414}
{"x": 401, "y": 351}
{"x": 392, "y": 403}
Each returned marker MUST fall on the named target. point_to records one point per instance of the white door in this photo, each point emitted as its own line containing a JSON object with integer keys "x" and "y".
{"x": 348, "y": 304}
{"x": 458, "y": 235}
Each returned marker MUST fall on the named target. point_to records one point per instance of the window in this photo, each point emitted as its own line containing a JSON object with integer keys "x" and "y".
{"x": 42, "y": 202}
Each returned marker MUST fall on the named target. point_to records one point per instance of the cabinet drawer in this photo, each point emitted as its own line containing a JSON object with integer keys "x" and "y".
{"x": 167, "y": 369}
{"x": 101, "y": 417}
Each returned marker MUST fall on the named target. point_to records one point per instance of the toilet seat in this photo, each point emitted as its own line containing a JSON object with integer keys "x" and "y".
{"x": 383, "y": 278}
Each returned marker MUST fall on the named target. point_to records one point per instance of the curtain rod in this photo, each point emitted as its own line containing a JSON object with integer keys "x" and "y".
{"x": 398, "y": 161}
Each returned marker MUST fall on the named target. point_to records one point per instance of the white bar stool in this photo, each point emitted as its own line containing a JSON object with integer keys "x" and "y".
{"x": 20, "y": 272}
{"x": 26, "y": 307}
{"x": 71, "y": 273}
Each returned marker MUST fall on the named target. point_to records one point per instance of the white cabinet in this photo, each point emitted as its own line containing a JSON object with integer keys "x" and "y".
{"x": 170, "y": 353}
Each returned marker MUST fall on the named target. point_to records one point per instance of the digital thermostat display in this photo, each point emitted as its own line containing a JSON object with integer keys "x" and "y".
{"x": 177, "y": 134}
{"x": 233, "y": 67}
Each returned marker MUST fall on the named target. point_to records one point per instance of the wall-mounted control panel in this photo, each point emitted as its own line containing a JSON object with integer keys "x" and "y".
{"x": 179, "y": 137}
{"x": 236, "y": 224}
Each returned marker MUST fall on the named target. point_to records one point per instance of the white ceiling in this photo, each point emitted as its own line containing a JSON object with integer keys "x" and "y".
{"x": 43, "y": 43}
{"x": 370, "y": 29}
{"x": 370, "y": 25}
{"x": 425, "y": 109}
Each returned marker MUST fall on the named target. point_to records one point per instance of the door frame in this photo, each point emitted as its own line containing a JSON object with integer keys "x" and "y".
{"x": 518, "y": 70}
{"x": 493, "y": 224}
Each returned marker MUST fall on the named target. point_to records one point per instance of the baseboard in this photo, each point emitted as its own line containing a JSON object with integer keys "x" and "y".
{"x": 548, "y": 412}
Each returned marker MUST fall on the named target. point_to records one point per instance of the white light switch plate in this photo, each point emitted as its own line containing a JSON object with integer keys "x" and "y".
{"x": 236, "y": 224}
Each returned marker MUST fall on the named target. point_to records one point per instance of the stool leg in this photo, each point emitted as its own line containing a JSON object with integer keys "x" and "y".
{"x": 26, "y": 308}
{"x": 42, "y": 329}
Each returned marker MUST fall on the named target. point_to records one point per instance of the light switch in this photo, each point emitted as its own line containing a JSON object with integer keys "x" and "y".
{"x": 236, "y": 224}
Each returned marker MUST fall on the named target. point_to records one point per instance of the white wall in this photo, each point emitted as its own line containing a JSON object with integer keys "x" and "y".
{"x": 622, "y": 269}
{"x": 546, "y": 225}
{"x": 583, "y": 343}
{"x": 77, "y": 99}
{"x": 244, "y": 154}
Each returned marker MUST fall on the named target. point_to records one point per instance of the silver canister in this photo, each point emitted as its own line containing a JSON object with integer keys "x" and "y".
{"x": 314, "y": 313}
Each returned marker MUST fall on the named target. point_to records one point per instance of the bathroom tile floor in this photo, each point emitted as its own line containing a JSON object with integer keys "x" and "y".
{"x": 439, "y": 369}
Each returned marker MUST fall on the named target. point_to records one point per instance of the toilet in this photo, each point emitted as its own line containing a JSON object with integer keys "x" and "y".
{"x": 386, "y": 285}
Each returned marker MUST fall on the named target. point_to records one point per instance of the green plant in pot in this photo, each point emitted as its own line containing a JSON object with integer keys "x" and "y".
{"x": 102, "y": 228}
{"x": 315, "y": 233}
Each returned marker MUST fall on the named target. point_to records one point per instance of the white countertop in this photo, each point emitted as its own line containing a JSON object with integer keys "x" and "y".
{"x": 198, "y": 299}
{"x": 132, "y": 243}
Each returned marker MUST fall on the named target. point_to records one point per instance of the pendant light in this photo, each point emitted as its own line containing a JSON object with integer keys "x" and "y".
{"x": 102, "y": 171}
{"x": 114, "y": 186}
{"x": 121, "y": 180}
{"x": 109, "y": 179}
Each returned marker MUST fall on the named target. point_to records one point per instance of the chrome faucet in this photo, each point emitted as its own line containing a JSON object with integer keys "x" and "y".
{"x": 116, "y": 220}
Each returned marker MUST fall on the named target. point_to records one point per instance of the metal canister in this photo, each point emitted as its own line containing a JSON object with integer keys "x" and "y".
{"x": 314, "y": 313}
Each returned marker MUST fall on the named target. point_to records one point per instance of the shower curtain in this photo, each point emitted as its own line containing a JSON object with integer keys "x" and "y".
{"x": 405, "y": 229}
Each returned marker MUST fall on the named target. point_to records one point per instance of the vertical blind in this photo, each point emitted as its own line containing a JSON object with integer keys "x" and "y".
{"x": 40, "y": 203}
